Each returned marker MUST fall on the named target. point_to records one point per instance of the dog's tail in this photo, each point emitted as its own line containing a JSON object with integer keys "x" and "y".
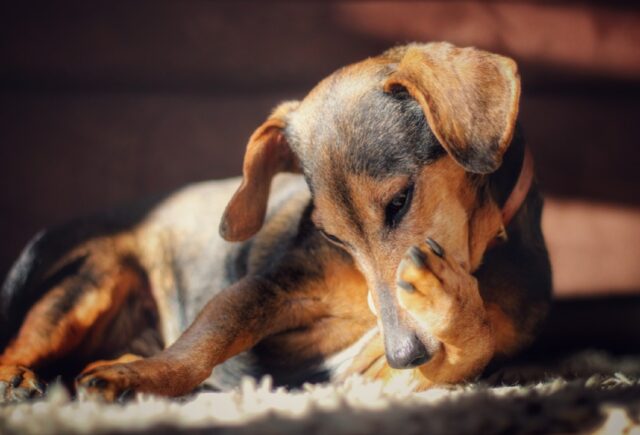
{"x": 25, "y": 282}
{"x": 19, "y": 283}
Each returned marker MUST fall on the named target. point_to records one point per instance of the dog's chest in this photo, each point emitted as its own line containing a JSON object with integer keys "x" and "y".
{"x": 285, "y": 368}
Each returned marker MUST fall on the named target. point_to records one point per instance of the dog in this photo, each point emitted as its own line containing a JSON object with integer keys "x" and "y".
{"x": 386, "y": 225}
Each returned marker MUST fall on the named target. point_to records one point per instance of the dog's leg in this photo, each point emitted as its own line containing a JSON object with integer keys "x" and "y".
{"x": 233, "y": 321}
{"x": 443, "y": 299}
{"x": 368, "y": 361}
{"x": 69, "y": 319}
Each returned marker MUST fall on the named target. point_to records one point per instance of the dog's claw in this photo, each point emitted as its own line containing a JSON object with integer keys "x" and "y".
{"x": 97, "y": 383}
{"x": 125, "y": 396}
{"x": 15, "y": 381}
{"x": 39, "y": 385}
{"x": 418, "y": 257}
{"x": 435, "y": 247}
{"x": 36, "y": 388}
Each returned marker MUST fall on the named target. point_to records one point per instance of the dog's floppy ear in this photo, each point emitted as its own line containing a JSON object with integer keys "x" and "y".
{"x": 469, "y": 97}
{"x": 267, "y": 154}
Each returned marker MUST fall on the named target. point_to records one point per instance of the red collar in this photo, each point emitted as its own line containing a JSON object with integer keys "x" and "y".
{"x": 516, "y": 197}
{"x": 520, "y": 189}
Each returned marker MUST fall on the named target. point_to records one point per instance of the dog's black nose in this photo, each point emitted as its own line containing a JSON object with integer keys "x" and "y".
{"x": 405, "y": 351}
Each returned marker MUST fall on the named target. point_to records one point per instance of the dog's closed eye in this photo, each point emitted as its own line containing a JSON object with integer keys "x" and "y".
{"x": 330, "y": 237}
{"x": 398, "y": 207}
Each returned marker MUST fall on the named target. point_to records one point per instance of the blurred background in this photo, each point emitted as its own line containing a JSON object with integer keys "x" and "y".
{"x": 105, "y": 102}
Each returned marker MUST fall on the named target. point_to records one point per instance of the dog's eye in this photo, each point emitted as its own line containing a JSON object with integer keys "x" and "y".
{"x": 398, "y": 207}
{"x": 330, "y": 237}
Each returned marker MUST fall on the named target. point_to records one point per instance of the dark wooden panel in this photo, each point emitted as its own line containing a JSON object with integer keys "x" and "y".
{"x": 586, "y": 146}
{"x": 232, "y": 45}
{"x": 147, "y": 44}
{"x": 68, "y": 155}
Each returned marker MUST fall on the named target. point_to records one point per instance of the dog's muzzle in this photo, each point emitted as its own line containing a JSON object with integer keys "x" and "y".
{"x": 403, "y": 348}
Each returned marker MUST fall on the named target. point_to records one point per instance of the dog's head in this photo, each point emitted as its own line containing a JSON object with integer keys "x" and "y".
{"x": 395, "y": 149}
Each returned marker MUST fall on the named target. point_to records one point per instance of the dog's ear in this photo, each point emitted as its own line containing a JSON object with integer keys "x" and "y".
{"x": 469, "y": 97}
{"x": 267, "y": 154}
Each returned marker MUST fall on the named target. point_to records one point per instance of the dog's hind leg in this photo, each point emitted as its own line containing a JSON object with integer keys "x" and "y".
{"x": 69, "y": 322}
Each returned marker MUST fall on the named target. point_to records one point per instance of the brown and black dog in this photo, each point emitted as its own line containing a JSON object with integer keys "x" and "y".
{"x": 380, "y": 259}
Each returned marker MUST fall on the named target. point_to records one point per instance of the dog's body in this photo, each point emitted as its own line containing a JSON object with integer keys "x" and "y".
{"x": 173, "y": 243}
{"x": 407, "y": 211}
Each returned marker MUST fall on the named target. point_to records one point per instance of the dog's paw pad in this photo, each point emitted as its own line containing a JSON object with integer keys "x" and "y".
{"x": 417, "y": 257}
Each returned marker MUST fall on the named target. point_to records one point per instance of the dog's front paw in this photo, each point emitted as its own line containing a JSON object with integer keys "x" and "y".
{"x": 443, "y": 299}
{"x": 18, "y": 383}
{"x": 116, "y": 382}
{"x": 436, "y": 290}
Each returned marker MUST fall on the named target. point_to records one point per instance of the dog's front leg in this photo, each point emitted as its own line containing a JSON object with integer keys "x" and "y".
{"x": 444, "y": 301}
{"x": 233, "y": 321}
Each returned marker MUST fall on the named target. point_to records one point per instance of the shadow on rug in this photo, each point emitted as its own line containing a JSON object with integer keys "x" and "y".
{"x": 590, "y": 392}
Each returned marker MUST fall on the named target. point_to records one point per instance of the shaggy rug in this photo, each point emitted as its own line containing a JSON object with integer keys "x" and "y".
{"x": 590, "y": 392}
